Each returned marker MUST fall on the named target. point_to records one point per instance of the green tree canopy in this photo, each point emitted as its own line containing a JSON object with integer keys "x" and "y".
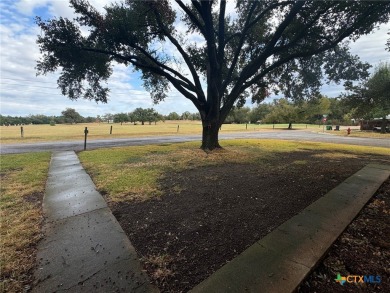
{"x": 259, "y": 112}
{"x": 145, "y": 115}
{"x": 121, "y": 117}
{"x": 173, "y": 116}
{"x": 108, "y": 117}
{"x": 219, "y": 60}
{"x": 186, "y": 115}
{"x": 283, "y": 112}
{"x": 371, "y": 98}
{"x": 239, "y": 115}
{"x": 71, "y": 116}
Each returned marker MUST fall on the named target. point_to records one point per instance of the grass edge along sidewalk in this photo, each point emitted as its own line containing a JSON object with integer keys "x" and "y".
{"x": 282, "y": 259}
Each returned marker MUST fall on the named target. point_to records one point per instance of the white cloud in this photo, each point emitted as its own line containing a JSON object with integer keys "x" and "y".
{"x": 371, "y": 48}
{"x": 56, "y": 7}
{"x": 27, "y": 7}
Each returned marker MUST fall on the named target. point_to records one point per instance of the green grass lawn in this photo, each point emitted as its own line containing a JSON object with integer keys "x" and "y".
{"x": 41, "y": 133}
{"x": 23, "y": 179}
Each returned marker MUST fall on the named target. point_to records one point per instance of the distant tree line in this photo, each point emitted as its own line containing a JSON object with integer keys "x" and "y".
{"x": 71, "y": 116}
{"x": 337, "y": 111}
{"x": 149, "y": 115}
{"x": 43, "y": 119}
{"x": 285, "y": 111}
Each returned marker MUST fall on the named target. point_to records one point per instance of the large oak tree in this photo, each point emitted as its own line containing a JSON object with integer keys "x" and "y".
{"x": 215, "y": 55}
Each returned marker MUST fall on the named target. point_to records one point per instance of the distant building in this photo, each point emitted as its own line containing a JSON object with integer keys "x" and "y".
{"x": 374, "y": 124}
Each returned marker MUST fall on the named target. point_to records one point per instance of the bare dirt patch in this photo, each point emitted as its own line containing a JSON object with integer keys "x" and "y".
{"x": 34, "y": 198}
{"x": 208, "y": 215}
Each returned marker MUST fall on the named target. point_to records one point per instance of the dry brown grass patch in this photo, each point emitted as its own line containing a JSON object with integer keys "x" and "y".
{"x": 22, "y": 187}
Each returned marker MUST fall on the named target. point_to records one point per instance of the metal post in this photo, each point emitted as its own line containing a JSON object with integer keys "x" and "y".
{"x": 85, "y": 137}
{"x": 111, "y": 129}
{"x": 21, "y": 132}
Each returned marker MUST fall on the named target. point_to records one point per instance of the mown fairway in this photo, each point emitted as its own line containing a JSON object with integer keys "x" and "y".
{"x": 39, "y": 133}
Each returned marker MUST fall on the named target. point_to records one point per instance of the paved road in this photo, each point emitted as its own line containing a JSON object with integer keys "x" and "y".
{"x": 105, "y": 143}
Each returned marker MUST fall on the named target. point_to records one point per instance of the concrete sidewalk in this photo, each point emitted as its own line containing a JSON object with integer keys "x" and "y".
{"x": 282, "y": 259}
{"x": 84, "y": 248}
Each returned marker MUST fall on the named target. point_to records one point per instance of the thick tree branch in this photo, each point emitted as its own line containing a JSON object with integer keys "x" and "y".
{"x": 154, "y": 60}
{"x": 303, "y": 32}
{"x": 175, "y": 82}
{"x": 192, "y": 16}
{"x": 255, "y": 64}
{"x": 186, "y": 58}
{"x": 135, "y": 60}
{"x": 265, "y": 11}
{"x": 248, "y": 25}
{"x": 198, "y": 6}
{"x": 213, "y": 67}
{"x": 239, "y": 47}
{"x": 303, "y": 54}
{"x": 221, "y": 31}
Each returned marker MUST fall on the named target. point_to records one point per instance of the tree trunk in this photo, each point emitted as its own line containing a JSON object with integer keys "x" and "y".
{"x": 290, "y": 125}
{"x": 210, "y": 136}
{"x": 143, "y": 122}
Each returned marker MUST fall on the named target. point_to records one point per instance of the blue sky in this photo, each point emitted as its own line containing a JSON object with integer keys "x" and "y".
{"x": 23, "y": 93}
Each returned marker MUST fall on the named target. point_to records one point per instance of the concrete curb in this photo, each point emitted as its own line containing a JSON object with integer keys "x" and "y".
{"x": 281, "y": 260}
{"x": 84, "y": 248}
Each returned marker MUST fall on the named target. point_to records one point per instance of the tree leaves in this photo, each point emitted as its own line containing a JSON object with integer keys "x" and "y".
{"x": 372, "y": 97}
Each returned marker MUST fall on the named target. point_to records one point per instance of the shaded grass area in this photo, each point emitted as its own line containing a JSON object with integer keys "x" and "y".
{"x": 197, "y": 211}
{"x": 131, "y": 173}
{"x": 23, "y": 178}
{"x": 41, "y": 133}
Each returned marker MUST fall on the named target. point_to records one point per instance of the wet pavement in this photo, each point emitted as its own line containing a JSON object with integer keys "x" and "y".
{"x": 84, "y": 248}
